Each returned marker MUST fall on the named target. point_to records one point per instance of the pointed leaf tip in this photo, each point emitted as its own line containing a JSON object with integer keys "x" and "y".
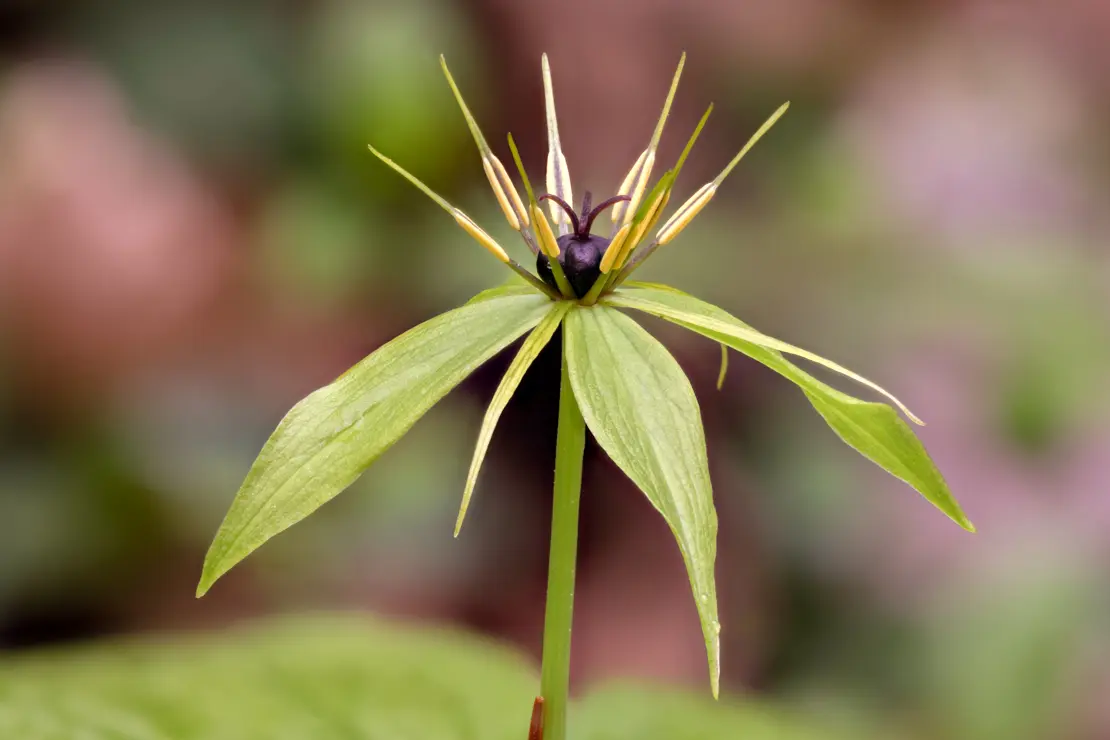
{"x": 875, "y": 430}
{"x": 327, "y": 439}
{"x": 641, "y": 409}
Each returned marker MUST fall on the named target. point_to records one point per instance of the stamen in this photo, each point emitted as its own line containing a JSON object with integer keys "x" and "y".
{"x": 565, "y": 206}
{"x": 480, "y": 235}
{"x": 548, "y": 244}
{"x": 686, "y": 213}
{"x": 601, "y": 208}
{"x": 615, "y": 248}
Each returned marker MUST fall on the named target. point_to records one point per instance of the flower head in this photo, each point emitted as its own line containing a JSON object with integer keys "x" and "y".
{"x": 634, "y": 397}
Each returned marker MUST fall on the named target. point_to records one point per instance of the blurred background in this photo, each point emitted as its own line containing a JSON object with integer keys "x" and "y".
{"x": 193, "y": 236}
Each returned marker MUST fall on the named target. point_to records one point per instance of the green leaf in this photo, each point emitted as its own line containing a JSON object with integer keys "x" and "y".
{"x": 514, "y": 286}
{"x": 628, "y": 710}
{"x": 325, "y": 442}
{"x": 342, "y": 678}
{"x": 873, "y": 429}
{"x": 325, "y": 677}
{"x": 677, "y": 306}
{"x": 531, "y": 349}
{"x": 640, "y": 407}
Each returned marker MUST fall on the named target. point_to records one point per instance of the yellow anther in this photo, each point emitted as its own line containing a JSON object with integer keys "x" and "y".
{"x": 480, "y": 236}
{"x": 546, "y": 236}
{"x": 686, "y": 213}
{"x": 499, "y": 192}
{"x": 614, "y": 249}
{"x": 507, "y": 184}
{"x": 645, "y": 226}
{"x": 639, "y": 188}
{"x": 626, "y": 187}
{"x": 658, "y": 212}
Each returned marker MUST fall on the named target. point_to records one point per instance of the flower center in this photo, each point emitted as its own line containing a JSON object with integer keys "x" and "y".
{"x": 580, "y": 252}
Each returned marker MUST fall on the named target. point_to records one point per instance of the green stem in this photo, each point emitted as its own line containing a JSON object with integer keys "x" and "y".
{"x": 569, "y": 447}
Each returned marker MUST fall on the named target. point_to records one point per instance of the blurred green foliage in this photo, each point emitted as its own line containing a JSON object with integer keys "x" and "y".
{"x": 337, "y": 677}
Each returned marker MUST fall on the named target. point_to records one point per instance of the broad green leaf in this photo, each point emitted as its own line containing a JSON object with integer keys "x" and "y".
{"x": 641, "y": 712}
{"x": 325, "y": 442}
{"x": 325, "y": 677}
{"x": 529, "y": 351}
{"x": 514, "y": 286}
{"x": 640, "y": 407}
{"x": 873, "y": 429}
{"x": 676, "y": 306}
{"x": 342, "y": 678}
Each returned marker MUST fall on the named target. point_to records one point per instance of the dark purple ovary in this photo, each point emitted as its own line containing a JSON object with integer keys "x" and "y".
{"x": 580, "y": 252}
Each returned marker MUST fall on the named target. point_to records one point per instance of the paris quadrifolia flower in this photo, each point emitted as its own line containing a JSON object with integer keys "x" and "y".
{"x": 630, "y": 391}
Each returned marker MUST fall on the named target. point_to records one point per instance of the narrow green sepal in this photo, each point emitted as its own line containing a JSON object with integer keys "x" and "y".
{"x": 527, "y": 354}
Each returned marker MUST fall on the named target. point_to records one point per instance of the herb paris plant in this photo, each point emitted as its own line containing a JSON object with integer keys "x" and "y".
{"x": 617, "y": 380}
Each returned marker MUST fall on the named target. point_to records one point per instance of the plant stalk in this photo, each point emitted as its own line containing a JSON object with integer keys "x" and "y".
{"x": 569, "y": 448}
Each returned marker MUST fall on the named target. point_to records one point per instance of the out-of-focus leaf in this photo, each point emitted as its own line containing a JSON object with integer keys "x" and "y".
{"x": 647, "y": 713}
{"x": 1003, "y": 661}
{"x": 531, "y": 349}
{"x": 873, "y": 429}
{"x": 346, "y": 678}
{"x": 325, "y": 442}
{"x": 640, "y": 407}
{"x": 369, "y": 70}
{"x": 329, "y": 677}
